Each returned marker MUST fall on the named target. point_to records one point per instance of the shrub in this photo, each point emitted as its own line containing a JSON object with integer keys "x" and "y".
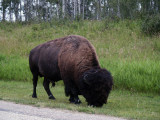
{"x": 109, "y": 22}
{"x": 151, "y": 24}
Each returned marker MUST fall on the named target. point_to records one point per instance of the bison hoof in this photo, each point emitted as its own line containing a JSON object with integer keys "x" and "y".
{"x": 34, "y": 96}
{"x": 77, "y": 102}
{"x": 53, "y": 84}
{"x": 72, "y": 100}
{"x": 52, "y": 97}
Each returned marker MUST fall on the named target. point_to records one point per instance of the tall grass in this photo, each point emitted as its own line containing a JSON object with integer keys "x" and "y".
{"x": 135, "y": 75}
{"x": 142, "y": 76}
{"x": 14, "y": 68}
{"x": 131, "y": 57}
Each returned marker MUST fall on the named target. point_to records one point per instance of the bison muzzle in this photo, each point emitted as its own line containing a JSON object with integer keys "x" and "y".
{"x": 73, "y": 60}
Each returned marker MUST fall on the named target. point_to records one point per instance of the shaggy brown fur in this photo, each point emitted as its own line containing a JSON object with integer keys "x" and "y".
{"x": 74, "y": 60}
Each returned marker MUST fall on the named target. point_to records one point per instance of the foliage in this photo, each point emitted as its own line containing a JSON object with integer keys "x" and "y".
{"x": 46, "y": 10}
{"x": 151, "y": 24}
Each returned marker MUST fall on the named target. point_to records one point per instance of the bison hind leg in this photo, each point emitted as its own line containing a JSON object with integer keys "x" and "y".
{"x": 46, "y": 87}
{"x": 35, "y": 79}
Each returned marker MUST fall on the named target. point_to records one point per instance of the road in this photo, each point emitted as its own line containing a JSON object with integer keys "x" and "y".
{"x": 12, "y": 111}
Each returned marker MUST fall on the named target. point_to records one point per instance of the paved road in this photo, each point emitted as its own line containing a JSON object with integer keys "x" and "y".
{"x": 12, "y": 111}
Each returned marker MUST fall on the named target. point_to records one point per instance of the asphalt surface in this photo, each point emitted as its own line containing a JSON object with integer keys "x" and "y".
{"x": 12, "y": 111}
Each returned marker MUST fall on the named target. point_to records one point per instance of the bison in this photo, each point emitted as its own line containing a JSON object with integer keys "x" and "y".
{"x": 72, "y": 59}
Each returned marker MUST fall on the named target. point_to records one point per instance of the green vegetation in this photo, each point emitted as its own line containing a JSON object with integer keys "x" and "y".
{"x": 121, "y": 103}
{"x": 131, "y": 57}
{"x": 151, "y": 24}
{"x": 14, "y": 68}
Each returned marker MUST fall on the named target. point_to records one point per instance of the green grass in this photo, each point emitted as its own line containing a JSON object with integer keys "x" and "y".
{"x": 131, "y": 57}
{"x": 142, "y": 76}
{"x": 121, "y": 103}
{"x": 14, "y": 68}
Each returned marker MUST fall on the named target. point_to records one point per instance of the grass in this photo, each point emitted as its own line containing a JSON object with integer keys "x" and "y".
{"x": 132, "y": 57}
{"x": 122, "y": 41}
{"x": 14, "y": 68}
{"x": 121, "y": 103}
{"x": 142, "y": 76}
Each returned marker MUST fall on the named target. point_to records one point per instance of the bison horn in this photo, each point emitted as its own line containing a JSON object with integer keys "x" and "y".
{"x": 85, "y": 79}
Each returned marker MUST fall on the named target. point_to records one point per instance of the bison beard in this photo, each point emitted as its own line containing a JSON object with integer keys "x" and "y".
{"x": 73, "y": 60}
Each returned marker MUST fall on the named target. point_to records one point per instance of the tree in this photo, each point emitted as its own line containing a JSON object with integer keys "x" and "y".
{"x": 63, "y": 8}
{"x": 75, "y": 8}
{"x": 79, "y": 7}
{"x": 83, "y": 8}
{"x": 97, "y": 3}
{"x": 118, "y": 9}
{"x": 5, "y": 4}
{"x": 16, "y": 8}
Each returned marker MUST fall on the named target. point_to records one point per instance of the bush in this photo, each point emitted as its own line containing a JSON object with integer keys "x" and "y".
{"x": 151, "y": 24}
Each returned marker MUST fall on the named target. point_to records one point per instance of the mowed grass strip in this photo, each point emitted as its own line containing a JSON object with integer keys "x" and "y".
{"x": 121, "y": 103}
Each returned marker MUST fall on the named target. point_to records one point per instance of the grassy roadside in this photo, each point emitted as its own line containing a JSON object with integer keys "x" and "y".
{"x": 121, "y": 103}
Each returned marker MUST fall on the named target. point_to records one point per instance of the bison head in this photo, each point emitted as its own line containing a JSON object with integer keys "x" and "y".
{"x": 96, "y": 85}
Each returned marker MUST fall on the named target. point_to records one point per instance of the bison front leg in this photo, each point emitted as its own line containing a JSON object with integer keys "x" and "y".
{"x": 46, "y": 87}
{"x": 71, "y": 91}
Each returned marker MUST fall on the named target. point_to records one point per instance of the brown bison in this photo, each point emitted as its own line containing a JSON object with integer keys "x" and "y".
{"x": 73, "y": 60}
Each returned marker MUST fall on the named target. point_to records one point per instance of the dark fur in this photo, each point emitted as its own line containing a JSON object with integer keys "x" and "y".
{"x": 74, "y": 60}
